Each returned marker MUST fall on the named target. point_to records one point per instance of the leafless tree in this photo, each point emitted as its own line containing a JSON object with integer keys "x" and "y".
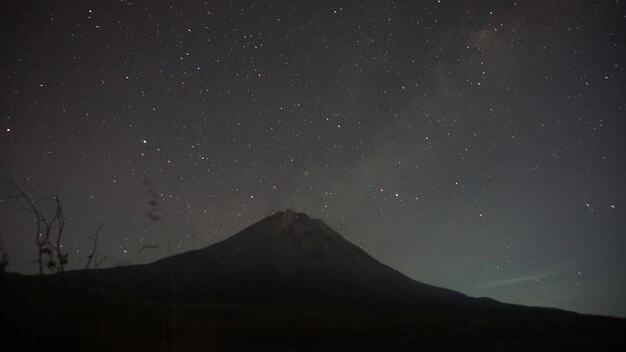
{"x": 49, "y": 235}
{"x": 59, "y": 222}
{"x": 93, "y": 256}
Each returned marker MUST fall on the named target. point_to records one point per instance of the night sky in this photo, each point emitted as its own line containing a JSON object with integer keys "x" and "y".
{"x": 474, "y": 145}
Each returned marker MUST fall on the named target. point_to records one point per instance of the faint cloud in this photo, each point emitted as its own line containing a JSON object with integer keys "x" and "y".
{"x": 545, "y": 273}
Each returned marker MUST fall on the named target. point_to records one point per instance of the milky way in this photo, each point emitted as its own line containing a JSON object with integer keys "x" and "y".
{"x": 476, "y": 145}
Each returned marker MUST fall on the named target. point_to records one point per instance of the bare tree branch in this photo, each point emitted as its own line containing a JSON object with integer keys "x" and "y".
{"x": 49, "y": 253}
{"x": 93, "y": 254}
{"x": 98, "y": 262}
{"x": 40, "y": 239}
{"x": 49, "y": 235}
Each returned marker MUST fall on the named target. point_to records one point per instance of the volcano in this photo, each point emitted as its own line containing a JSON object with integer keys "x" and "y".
{"x": 287, "y": 282}
{"x": 287, "y": 255}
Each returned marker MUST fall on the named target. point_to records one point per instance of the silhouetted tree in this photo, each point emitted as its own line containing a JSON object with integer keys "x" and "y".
{"x": 59, "y": 260}
{"x": 49, "y": 235}
{"x": 93, "y": 256}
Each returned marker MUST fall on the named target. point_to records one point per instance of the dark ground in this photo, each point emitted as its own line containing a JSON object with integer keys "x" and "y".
{"x": 90, "y": 320}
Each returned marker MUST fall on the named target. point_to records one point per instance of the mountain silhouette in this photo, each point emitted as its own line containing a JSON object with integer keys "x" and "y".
{"x": 318, "y": 292}
{"x": 287, "y": 255}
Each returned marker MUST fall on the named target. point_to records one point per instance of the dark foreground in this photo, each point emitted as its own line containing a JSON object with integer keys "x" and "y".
{"x": 87, "y": 320}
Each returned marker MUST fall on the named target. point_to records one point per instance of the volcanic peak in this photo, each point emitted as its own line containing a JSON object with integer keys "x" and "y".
{"x": 295, "y": 223}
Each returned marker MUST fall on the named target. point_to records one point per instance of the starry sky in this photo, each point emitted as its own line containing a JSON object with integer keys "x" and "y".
{"x": 474, "y": 145}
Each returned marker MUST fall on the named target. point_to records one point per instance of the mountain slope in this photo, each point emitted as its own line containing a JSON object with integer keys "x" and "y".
{"x": 289, "y": 255}
{"x": 286, "y": 255}
{"x": 317, "y": 283}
